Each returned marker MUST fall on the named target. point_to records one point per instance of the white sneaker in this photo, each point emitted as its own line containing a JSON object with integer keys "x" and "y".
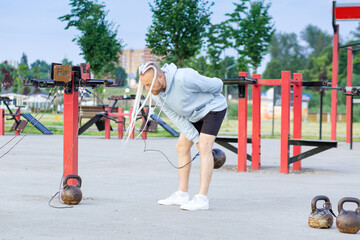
{"x": 176, "y": 199}
{"x": 199, "y": 202}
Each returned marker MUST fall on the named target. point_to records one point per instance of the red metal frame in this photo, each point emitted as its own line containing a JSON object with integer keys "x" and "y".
{"x": 17, "y": 117}
{"x": 285, "y": 82}
{"x": 334, "y": 82}
{"x": 256, "y": 124}
{"x": 242, "y": 127}
{"x": 285, "y": 121}
{"x": 297, "y": 116}
{"x": 132, "y": 134}
{"x": 71, "y": 115}
{"x": 144, "y": 134}
{"x": 107, "y": 125}
{"x": 2, "y": 121}
{"x": 348, "y": 98}
{"x": 346, "y": 12}
{"x": 121, "y": 119}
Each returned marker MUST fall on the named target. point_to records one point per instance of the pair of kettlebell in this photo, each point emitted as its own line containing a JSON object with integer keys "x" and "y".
{"x": 347, "y": 221}
{"x": 219, "y": 158}
{"x": 71, "y": 194}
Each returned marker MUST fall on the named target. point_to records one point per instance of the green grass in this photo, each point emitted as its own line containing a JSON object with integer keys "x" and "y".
{"x": 229, "y": 127}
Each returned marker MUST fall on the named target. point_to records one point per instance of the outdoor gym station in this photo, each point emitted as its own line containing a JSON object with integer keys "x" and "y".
{"x": 260, "y": 180}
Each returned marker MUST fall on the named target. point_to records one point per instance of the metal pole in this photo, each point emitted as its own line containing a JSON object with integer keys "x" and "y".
{"x": 351, "y": 122}
{"x": 321, "y": 112}
{"x": 335, "y": 62}
{"x": 273, "y": 112}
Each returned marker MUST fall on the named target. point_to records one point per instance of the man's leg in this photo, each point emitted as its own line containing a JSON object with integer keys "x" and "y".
{"x": 181, "y": 196}
{"x": 205, "y": 146}
{"x": 184, "y": 156}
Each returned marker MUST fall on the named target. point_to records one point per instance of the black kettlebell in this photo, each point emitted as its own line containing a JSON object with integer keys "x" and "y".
{"x": 71, "y": 194}
{"x": 348, "y": 221}
{"x": 219, "y": 158}
{"x": 321, "y": 217}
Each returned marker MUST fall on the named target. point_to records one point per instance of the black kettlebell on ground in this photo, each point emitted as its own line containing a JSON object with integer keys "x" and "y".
{"x": 71, "y": 194}
{"x": 321, "y": 217}
{"x": 219, "y": 158}
{"x": 348, "y": 221}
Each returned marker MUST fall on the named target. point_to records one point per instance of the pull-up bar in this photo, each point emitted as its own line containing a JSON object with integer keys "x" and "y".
{"x": 341, "y": 11}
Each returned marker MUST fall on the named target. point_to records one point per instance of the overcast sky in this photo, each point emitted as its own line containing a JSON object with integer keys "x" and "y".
{"x": 31, "y": 26}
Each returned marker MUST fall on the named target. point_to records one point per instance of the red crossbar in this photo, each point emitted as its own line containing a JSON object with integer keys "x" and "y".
{"x": 345, "y": 12}
{"x": 269, "y": 82}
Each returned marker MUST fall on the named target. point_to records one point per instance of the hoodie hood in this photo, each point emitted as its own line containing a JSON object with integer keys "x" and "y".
{"x": 170, "y": 71}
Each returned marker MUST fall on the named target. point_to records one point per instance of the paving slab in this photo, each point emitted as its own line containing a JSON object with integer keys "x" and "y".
{"x": 121, "y": 189}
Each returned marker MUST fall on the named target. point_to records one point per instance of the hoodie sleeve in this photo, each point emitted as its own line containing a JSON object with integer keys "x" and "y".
{"x": 183, "y": 124}
{"x": 200, "y": 83}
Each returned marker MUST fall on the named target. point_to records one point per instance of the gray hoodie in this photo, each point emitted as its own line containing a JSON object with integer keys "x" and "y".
{"x": 188, "y": 97}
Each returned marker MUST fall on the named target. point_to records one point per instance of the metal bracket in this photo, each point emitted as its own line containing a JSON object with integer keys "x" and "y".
{"x": 225, "y": 141}
{"x": 319, "y": 144}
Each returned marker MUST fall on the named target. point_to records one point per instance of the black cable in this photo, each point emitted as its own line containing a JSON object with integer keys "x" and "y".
{"x": 155, "y": 150}
{"x": 95, "y": 96}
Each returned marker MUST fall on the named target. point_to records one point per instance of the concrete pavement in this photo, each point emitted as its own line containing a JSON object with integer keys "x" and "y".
{"x": 120, "y": 193}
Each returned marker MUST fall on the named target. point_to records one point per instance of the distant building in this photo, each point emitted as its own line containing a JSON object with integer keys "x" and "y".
{"x": 13, "y": 63}
{"x": 131, "y": 59}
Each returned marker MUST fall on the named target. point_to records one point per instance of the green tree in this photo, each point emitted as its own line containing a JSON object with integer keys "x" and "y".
{"x": 273, "y": 69}
{"x": 178, "y": 28}
{"x": 24, "y": 59}
{"x": 198, "y": 63}
{"x": 285, "y": 47}
{"x": 66, "y": 61}
{"x": 217, "y": 42}
{"x": 40, "y": 69}
{"x": 23, "y": 76}
{"x": 252, "y": 31}
{"x": 120, "y": 75}
{"x": 7, "y": 75}
{"x": 98, "y": 37}
{"x": 356, "y": 33}
{"x": 316, "y": 39}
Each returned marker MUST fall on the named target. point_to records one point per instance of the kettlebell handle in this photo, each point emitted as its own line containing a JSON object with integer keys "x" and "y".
{"x": 347, "y": 199}
{"x": 71, "y": 176}
{"x": 316, "y": 199}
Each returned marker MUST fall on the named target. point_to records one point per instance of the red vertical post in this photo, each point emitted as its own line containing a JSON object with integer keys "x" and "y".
{"x": 107, "y": 125}
{"x": 256, "y": 124}
{"x": 121, "y": 123}
{"x": 348, "y": 98}
{"x": 242, "y": 124}
{"x": 17, "y": 117}
{"x": 70, "y": 157}
{"x": 297, "y": 122}
{"x": 334, "y": 82}
{"x": 285, "y": 121}
{"x": 2, "y": 122}
{"x": 144, "y": 133}
{"x": 132, "y": 132}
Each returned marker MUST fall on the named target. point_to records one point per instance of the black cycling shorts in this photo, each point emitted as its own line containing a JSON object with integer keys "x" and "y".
{"x": 211, "y": 123}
